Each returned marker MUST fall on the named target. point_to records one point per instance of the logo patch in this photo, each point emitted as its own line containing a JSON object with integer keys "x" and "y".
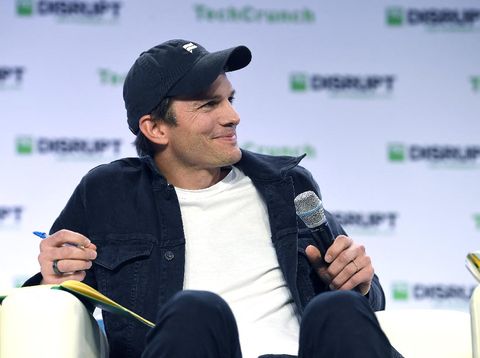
{"x": 190, "y": 47}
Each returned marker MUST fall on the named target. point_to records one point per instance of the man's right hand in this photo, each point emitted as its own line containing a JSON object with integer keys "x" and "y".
{"x": 72, "y": 252}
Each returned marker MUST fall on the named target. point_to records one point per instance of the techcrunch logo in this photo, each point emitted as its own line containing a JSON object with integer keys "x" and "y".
{"x": 10, "y": 215}
{"x": 448, "y": 155}
{"x": 109, "y": 77}
{"x": 88, "y": 10}
{"x": 475, "y": 81}
{"x": 343, "y": 85}
{"x": 464, "y": 19}
{"x": 11, "y": 76}
{"x": 26, "y": 145}
{"x": 367, "y": 222}
{"x": 282, "y": 149}
{"x": 402, "y": 291}
{"x": 250, "y": 14}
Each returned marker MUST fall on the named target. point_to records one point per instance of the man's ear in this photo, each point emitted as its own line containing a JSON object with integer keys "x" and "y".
{"x": 154, "y": 130}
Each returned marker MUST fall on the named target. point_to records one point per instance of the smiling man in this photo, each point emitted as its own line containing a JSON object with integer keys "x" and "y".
{"x": 202, "y": 237}
{"x": 201, "y": 141}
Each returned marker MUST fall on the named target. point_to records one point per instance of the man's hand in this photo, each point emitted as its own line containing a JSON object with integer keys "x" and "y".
{"x": 349, "y": 266}
{"x": 72, "y": 252}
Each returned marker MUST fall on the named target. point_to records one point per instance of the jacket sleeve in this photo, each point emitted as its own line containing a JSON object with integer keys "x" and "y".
{"x": 72, "y": 218}
{"x": 375, "y": 296}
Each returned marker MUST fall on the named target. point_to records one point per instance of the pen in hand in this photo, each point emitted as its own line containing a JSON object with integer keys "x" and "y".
{"x": 44, "y": 235}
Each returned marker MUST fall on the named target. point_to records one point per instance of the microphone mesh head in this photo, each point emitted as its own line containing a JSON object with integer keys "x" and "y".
{"x": 310, "y": 209}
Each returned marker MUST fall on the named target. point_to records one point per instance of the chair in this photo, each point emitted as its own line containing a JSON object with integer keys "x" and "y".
{"x": 421, "y": 333}
{"x": 475, "y": 317}
{"x": 43, "y": 322}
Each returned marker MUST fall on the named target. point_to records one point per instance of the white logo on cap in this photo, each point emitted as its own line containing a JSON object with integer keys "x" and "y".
{"x": 189, "y": 47}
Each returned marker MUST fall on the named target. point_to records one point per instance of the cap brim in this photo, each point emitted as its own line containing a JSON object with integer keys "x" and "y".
{"x": 207, "y": 68}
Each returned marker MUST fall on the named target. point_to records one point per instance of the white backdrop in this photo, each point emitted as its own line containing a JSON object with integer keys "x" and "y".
{"x": 383, "y": 96}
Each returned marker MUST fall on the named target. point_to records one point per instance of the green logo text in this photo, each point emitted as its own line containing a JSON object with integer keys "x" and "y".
{"x": 291, "y": 150}
{"x": 109, "y": 77}
{"x": 396, "y": 152}
{"x": 24, "y": 7}
{"x": 298, "y": 82}
{"x": 250, "y": 14}
{"x": 400, "y": 291}
{"x": 394, "y": 16}
{"x": 24, "y": 145}
{"x": 476, "y": 217}
{"x": 475, "y": 80}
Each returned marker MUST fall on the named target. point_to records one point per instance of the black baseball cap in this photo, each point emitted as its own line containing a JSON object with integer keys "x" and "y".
{"x": 175, "y": 68}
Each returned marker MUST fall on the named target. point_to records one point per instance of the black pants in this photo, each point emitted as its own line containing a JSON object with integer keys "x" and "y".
{"x": 200, "y": 324}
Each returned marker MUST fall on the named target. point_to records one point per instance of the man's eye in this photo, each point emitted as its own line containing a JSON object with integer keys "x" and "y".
{"x": 210, "y": 104}
{"x": 231, "y": 99}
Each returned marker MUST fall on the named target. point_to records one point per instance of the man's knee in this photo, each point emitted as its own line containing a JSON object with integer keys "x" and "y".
{"x": 191, "y": 303}
{"x": 194, "y": 324}
{"x": 341, "y": 324}
{"x": 336, "y": 304}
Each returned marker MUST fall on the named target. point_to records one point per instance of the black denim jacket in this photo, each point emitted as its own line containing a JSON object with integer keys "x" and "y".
{"x": 132, "y": 214}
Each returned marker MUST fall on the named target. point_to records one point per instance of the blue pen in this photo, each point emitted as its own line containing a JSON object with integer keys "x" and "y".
{"x": 41, "y": 235}
{"x": 44, "y": 235}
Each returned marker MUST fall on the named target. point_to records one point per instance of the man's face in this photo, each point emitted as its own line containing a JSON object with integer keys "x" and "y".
{"x": 205, "y": 134}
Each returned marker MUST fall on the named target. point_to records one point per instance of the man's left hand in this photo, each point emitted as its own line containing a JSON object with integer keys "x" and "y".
{"x": 345, "y": 266}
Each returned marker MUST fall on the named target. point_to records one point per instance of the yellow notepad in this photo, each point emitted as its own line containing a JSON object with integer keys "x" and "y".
{"x": 86, "y": 293}
{"x": 473, "y": 264}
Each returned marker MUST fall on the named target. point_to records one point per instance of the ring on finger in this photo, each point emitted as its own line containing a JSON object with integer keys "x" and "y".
{"x": 55, "y": 268}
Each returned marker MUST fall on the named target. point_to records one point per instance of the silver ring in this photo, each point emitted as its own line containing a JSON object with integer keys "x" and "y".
{"x": 55, "y": 268}
{"x": 356, "y": 267}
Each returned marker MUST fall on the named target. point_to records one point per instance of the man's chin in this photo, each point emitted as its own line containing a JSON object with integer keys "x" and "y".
{"x": 233, "y": 157}
{"x": 238, "y": 155}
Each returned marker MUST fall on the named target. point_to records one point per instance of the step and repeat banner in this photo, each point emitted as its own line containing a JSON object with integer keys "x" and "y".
{"x": 384, "y": 97}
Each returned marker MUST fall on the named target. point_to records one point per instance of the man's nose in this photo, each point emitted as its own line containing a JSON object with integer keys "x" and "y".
{"x": 230, "y": 116}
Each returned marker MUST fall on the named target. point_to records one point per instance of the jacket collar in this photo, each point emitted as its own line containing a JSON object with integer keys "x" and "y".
{"x": 254, "y": 165}
{"x": 265, "y": 167}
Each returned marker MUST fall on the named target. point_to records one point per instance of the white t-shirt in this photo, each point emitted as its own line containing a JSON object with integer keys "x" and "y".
{"x": 229, "y": 252}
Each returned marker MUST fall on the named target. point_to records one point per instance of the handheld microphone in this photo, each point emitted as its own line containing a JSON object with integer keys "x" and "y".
{"x": 309, "y": 208}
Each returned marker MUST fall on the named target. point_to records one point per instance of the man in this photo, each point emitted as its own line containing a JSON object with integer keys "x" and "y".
{"x": 200, "y": 235}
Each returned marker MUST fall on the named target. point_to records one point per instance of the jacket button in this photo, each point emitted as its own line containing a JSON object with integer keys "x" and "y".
{"x": 169, "y": 255}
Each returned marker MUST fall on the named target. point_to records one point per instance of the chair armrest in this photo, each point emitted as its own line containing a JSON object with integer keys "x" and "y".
{"x": 42, "y": 322}
{"x": 475, "y": 316}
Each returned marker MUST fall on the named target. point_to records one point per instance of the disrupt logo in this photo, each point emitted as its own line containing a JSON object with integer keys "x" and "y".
{"x": 250, "y": 14}
{"x": 282, "y": 149}
{"x": 402, "y": 291}
{"x": 343, "y": 85}
{"x": 26, "y": 145}
{"x": 435, "y": 154}
{"x": 433, "y": 18}
{"x": 10, "y": 215}
{"x": 91, "y": 10}
{"x": 376, "y": 221}
{"x": 475, "y": 80}
{"x": 11, "y": 76}
{"x": 109, "y": 77}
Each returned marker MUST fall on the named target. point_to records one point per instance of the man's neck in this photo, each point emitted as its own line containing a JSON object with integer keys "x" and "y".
{"x": 191, "y": 178}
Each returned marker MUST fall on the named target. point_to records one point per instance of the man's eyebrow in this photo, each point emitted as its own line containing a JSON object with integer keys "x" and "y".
{"x": 206, "y": 97}
{"x": 232, "y": 93}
